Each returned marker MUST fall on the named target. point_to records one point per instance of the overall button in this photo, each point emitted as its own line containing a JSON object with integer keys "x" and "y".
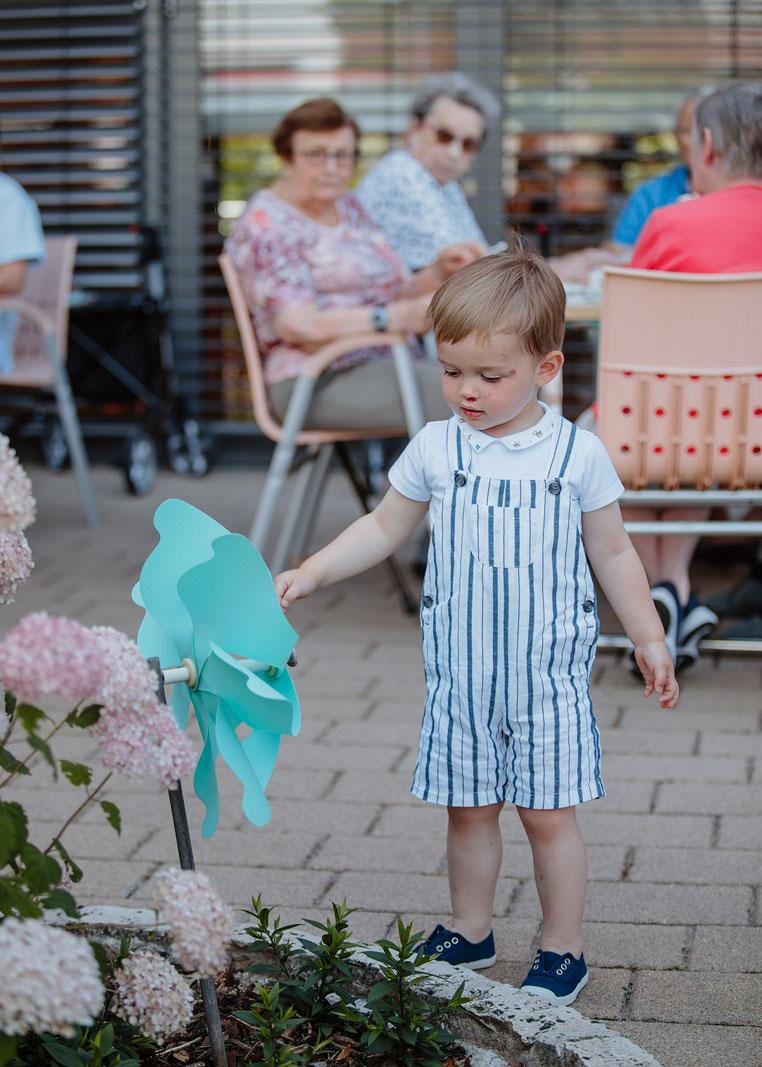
{"x": 460, "y": 480}
{"x": 428, "y": 601}
{"x": 554, "y": 487}
{"x": 589, "y": 605}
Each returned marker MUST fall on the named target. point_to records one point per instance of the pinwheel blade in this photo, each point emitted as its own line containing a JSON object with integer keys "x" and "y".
{"x": 153, "y": 640}
{"x": 206, "y": 708}
{"x": 252, "y": 768}
{"x": 243, "y": 615}
{"x": 260, "y": 702}
{"x": 185, "y": 539}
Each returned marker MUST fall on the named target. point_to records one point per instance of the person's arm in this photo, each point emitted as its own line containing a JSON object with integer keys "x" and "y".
{"x": 12, "y": 277}
{"x": 307, "y": 327}
{"x": 361, "y": 546}
{"x": 623, "y": 580}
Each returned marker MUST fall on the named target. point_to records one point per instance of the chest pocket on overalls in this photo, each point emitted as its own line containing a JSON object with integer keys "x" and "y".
{"x": 504, "y": 526}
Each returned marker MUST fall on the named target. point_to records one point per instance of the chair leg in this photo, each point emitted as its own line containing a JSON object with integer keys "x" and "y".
{"x": 410, "y": 393}
{"x": 299, "y": 499}
{"x": 398, "y": 580}
{"x": 312, "y": 501}
{"x": 67, "y": 412}
{"x": 280, "y": 464}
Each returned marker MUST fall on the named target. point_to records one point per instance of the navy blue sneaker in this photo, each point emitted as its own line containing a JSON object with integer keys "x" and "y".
{"x": 451, "y": 947}
{"x": 556, "y": 978}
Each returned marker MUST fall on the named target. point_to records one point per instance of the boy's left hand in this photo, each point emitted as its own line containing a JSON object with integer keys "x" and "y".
{"x": 657, "y": 668}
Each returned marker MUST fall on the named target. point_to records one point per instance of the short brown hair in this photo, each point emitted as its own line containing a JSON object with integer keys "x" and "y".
{"x": 512, "y": 292}
{"x": 321, "y": 114}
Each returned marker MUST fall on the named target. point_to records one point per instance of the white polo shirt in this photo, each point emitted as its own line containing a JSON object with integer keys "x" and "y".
{"x": 422, "y": 471}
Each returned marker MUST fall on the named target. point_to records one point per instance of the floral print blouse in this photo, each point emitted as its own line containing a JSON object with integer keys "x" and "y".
{"x": 284, "y": 258}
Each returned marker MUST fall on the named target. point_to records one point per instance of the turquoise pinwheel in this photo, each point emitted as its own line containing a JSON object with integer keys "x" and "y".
{"x": 209, "y": 602}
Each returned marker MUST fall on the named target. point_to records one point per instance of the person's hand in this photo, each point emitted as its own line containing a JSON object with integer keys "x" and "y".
{"x": 293, "y": 585}
{"x": 409, "y": 315}
{"x": 576, "y": 266}
{"x": 452, "y": 258}
{"x": 657, "y": 669}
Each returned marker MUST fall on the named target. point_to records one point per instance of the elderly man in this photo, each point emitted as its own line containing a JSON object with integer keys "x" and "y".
{"x": 21, "y": 243}
{"x": 718, "y": 232}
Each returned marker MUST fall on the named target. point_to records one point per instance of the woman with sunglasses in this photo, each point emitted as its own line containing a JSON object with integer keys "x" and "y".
{"x": 413, "y": 192}
{"x": 315, "y": 268}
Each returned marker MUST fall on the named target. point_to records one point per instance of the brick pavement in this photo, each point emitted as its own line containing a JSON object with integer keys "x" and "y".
{"x": 674, "y": 930}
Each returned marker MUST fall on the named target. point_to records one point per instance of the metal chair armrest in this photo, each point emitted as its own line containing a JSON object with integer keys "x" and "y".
{"x": 321, "y": 360}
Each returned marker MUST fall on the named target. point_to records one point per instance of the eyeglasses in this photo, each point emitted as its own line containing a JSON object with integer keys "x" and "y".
{"x": 469, "y": 145}
{"x": 318, "y": 157}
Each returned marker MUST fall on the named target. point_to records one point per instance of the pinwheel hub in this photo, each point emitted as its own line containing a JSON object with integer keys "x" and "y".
{"x": 190, "y": 667}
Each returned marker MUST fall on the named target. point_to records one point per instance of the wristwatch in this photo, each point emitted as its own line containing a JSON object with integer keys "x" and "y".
{"x": 379, "y": 318}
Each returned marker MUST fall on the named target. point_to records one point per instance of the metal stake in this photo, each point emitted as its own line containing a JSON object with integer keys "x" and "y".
{"x": 185, "y": 852}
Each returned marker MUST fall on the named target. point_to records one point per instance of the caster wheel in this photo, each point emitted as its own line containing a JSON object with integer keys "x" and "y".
{"x": 141, "y": 464}
{"x": 55, "y": 451}
{"x": 188, "y": 449}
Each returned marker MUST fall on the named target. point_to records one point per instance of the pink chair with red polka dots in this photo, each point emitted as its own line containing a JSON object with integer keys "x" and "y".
{"x": 680, "y": 378}
{"x": 679, "y": 398}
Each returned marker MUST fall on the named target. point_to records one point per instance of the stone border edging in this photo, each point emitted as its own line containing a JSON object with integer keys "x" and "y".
{"x": 500, "y": 1019}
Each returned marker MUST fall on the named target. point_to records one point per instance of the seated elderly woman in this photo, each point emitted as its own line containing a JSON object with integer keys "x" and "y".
{"x": 316, "y": 268}
{"x": 413, "y": 192}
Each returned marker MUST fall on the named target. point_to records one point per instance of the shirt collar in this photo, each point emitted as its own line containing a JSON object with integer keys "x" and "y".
{"x": 513, "y": 442}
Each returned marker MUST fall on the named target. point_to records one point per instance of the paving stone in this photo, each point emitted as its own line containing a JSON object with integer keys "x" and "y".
{"x": 741, "y": 831}
{"x": 373, "y": 786}
{"x": 299, "y": 753}
{"x": 277, "y": 887}
{"x": 351, "y": 853}
{"x": 690, "y": 997}
{"x": 674, "y": 768}
{"x": 404, "y": 892}
{"x": 625, "y": 796}
{"x": 602, "y": 997}
{"x": 634, "y": 944}
{"x": 299, "y": 783}
{"x": 678, "y": 1045}
{"x": 251, "y": 846}
{"x": 325, "y": 818}
{"x": 713, "y": 743}
{"x": 642, "y": 743}
{"x": 711, "y": 798}
{"x": 727, "y": 948}
{"x": 715, "y": 866}
{"x": 648, "y": 903}
{"x": 687, "y": 716}
{"x": 610, "y": 827}
{"x": 113, "y": 881}
{"x": 374, "y": 733}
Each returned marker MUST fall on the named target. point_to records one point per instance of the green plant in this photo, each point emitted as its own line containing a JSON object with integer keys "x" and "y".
{"x": 310, "y": 1003}
{"x": 403, "y": 1024}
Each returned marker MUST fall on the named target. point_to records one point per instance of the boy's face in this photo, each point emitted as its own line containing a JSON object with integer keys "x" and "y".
{"x": 493, "y": 384}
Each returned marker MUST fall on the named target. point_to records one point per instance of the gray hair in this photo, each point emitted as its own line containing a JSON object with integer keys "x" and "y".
{"x": 733, "y": 115}
{"x": 454, "y": 86}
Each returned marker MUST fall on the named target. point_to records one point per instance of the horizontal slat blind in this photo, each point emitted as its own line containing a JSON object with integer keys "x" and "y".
{"x": 71, "y": 127}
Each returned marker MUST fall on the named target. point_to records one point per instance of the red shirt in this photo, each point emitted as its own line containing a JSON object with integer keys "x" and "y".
{"x": 718, "y": 233}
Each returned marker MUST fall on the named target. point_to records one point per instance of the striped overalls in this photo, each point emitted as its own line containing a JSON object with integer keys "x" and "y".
{"x": 509, "y": 628}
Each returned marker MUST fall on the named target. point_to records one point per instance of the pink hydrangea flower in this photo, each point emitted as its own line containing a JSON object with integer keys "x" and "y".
{"x": 201, "y": 923}
{"x": 138, "y": 735}
{"x": 151, "y": 995}
{"x": 129, "y": 682}
{"x": 49, "y": 979}
{"x": 16, "y": 564}
{"x": 17, "y": 504}
{"x": 44, "y": 656}
{"x": 145, "y": 744}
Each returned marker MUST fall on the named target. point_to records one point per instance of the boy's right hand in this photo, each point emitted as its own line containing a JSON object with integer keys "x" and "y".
{"x": 293, "y": 585}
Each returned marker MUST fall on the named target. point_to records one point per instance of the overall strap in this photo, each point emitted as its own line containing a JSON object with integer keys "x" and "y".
{"x": 562, "y": 449}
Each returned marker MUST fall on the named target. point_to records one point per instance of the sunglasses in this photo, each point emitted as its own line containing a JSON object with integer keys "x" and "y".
{"x": 469, "y": 145}
{"x": 318, "y": 157}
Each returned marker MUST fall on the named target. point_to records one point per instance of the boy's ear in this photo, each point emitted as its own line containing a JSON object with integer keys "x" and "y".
{"x": 549, "y": 367}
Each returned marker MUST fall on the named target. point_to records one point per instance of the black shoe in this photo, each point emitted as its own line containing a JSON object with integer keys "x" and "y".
{"x": 748, "y": 630}
{"x": 698, "y": 622}
{"x": 745, "y": 599}
{"x": 452, "y": 947}
{"x": 670, "y": 613}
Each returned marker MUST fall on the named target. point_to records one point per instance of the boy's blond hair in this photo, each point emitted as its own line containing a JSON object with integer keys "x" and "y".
{"x": 512, "y": 292}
